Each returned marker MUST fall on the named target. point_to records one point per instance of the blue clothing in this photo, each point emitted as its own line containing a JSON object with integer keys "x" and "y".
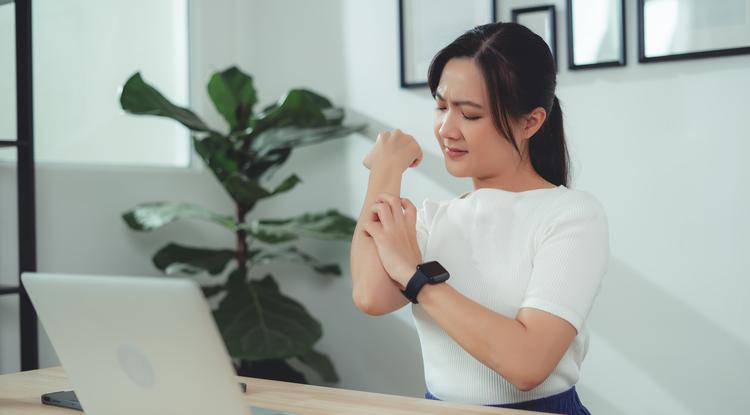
{"x": 566, "y": 403}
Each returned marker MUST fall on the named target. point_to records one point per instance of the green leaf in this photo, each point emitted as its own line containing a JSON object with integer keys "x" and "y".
{"x": 218, "y": 153}
{"x": 243, "y": 190}
{"x": 258, "y": 322}
{"x": 329, "y": 225}
{"x": 234, "y": 96}
{"x": 265, "y": 165}
{"x": 321, "y": 364}
{"x": 138, "y": 97}
{"x": 174, "y": 258}
{"x": 299, "y": 108}
{"x": 247, "y": 192}
{"x": 293, "y": 255}
{"x": 212, "y": 290}
{"x": 291, "y": 137}
{"x": 287, "y": 185}
{"x": 150, "y": 216}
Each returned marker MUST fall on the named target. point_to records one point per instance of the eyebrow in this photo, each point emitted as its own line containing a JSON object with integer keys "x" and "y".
{"x": 459, "y": 103}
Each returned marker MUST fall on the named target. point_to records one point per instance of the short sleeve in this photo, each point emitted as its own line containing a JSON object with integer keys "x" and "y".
{"x": 571, "y": 259}
{"x": 425, "y": 218}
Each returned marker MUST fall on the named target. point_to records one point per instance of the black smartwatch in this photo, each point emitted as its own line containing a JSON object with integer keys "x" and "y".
{"x": 428, "y": 273}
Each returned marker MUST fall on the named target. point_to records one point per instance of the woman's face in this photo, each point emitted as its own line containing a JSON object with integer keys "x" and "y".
{"x": 464, "y": 128}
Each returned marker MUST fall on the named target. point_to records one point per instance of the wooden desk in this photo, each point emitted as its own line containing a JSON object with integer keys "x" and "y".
{"x": 20, "y": 394}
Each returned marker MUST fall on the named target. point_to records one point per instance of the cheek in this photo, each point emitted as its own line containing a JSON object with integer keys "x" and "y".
{"x": 483, "y": 139}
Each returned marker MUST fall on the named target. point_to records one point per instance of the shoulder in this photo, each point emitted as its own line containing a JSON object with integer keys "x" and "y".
{"x": 574, "y": 200}
{"x": 574, "y": 207}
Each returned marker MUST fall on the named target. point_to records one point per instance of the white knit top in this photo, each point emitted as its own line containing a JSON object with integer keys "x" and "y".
{"x": 546, "y": 249}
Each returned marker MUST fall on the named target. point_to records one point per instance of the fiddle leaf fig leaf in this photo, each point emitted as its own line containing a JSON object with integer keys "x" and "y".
{"x": 322, "y": 364}
{"x": 234, "y": 96}
{"x": 174, "y": 258}
{"x": 138, "y": 97}
{"x": 299, "y": 108}
{"x": 292, "y": 137}
{"x": 258, "y": 322}
{"x": 287, "y": 185}
{"x": 247, "y": 192}
{"x": 265, "y": 165}
{"x": 212, "y": 290}
{"x": 293, "y": 255}
{"x": 328, "y": 225}
{"x": 219, "y": 155}
{"x": 150, "y": 216}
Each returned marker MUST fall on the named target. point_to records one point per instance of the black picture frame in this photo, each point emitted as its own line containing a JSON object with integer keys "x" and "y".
{"x": 622, "y": 56}
{"x": 713, "y": 53}
{"x": 552, "y": 16}
{"x": 404, "y": 80}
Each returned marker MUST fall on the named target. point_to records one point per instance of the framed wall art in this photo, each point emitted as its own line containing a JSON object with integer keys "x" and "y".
{"x": 426, "y": 26}
{"x": 596, "y": 33}
{"x": 690, "y": 29}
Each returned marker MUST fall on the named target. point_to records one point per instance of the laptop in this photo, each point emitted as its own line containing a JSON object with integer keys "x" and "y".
{"x": 137, "y": 345}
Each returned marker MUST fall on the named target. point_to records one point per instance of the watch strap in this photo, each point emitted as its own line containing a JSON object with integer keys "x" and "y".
{"x": 415, "y": 284}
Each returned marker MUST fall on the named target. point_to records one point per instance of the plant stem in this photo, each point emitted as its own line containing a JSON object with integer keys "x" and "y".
{"x": 241, "y": 240}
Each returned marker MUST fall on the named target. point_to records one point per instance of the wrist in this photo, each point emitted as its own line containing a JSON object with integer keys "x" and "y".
{"x": 403, "y": 276}
{"x": 385, "y": 178}
{"x": 388, "y": 167}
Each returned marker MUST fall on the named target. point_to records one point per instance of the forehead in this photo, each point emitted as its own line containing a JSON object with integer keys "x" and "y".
{"x": 462, "y": 80}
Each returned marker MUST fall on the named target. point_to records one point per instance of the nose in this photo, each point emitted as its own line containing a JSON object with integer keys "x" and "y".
{"x": 448, "y": 127}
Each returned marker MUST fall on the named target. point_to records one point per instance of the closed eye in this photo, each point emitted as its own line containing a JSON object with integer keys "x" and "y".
{"x": 466, "y": 117}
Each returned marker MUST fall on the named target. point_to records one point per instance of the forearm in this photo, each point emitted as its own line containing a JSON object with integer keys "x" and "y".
{"x": 503, "y": 344}
{"x": 374, "y": 292}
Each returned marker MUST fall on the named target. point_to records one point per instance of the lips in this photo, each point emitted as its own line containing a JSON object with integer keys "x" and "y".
{"x": 454, "y": 152}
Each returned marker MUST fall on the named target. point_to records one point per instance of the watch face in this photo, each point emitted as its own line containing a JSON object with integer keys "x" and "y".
{"x": 434, "y": 271}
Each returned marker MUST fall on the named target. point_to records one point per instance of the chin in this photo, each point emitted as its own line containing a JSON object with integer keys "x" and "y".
{"x": 456, "y": 171}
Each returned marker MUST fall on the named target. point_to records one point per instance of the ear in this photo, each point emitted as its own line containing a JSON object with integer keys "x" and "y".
{"x": 532, "y": 122}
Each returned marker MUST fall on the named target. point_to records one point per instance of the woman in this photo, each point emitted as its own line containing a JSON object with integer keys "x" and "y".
{"x": 524, "y": 254}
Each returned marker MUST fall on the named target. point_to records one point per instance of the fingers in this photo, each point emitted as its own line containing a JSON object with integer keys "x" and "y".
{"x": 410, "y": 211}
{"x": 395, "y": 207}
{"x": 383, "y": 214}
{"x": 373, "y": 229}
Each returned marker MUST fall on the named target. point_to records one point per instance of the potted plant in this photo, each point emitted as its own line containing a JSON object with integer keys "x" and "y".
{"x": 263, "y": 329}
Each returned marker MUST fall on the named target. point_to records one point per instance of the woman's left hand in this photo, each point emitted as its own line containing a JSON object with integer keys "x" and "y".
{"x": 393, "y": 226}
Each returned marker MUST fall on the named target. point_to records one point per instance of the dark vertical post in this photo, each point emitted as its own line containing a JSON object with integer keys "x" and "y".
{"x": 25, "y": 177}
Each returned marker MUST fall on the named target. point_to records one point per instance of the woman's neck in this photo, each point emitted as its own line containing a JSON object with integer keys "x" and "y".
{"x": 520, "y": 181}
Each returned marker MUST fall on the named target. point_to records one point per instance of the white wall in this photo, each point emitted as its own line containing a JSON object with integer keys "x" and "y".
{"x": 660, "y": 145}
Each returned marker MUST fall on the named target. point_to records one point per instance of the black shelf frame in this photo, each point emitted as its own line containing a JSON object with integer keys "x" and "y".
{"x": 25, "y": 183}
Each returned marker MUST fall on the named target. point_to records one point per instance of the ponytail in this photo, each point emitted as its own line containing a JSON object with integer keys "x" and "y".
{"x": 547, "y": 149}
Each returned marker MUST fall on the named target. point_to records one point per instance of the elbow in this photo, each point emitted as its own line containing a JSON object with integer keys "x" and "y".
{"x": 527, "y": 381}
{"x": 367, "y": 304}
{"x": 527, "y": 384}
{"x": 523, "y": 377}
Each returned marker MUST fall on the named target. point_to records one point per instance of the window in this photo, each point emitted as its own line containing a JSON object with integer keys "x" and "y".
{"x": 84, "y": 51}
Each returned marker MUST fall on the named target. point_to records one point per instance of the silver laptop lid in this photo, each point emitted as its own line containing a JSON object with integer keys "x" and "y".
{"x": 136, "y": 345}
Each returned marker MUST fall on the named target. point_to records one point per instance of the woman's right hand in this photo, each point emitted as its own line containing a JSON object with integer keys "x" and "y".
{"x": 393, "y": 150}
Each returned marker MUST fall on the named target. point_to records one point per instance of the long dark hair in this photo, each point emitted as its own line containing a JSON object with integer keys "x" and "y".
{"x": 520, "y": 74}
